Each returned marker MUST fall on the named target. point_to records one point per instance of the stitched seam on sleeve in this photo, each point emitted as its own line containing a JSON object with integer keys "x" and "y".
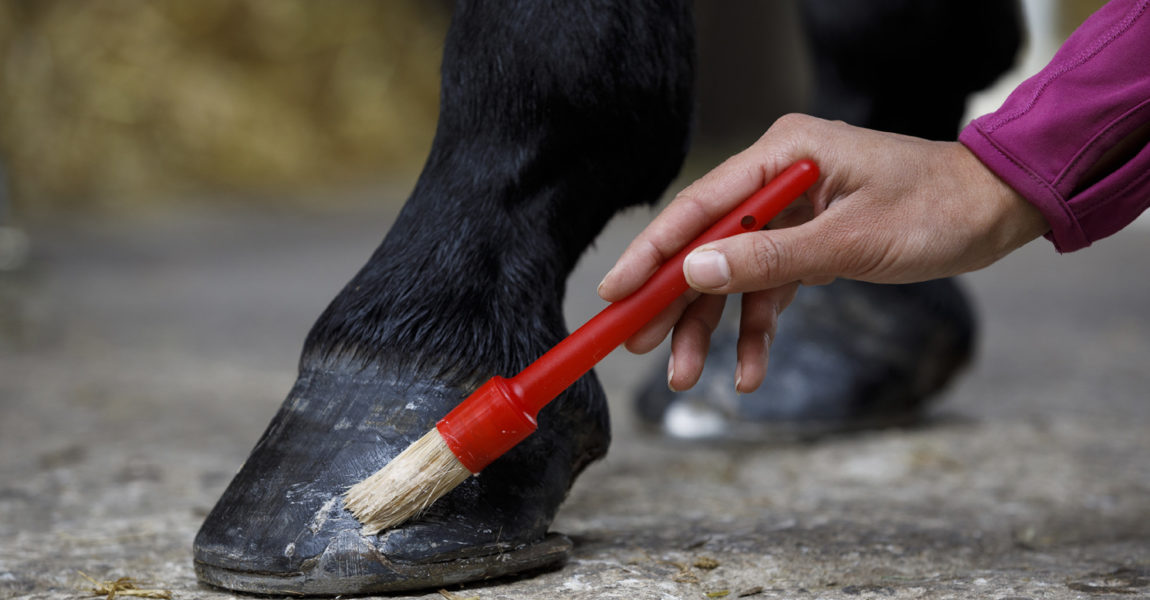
{"x": 1082, "y": 58}
{"x": 1062, "y": 204}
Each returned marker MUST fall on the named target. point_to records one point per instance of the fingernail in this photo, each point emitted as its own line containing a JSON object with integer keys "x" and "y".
{"x": 671, "y": 373}
{"x": 707, "y": 268}
{"x": 738, "y": 379}
{"x": 599, "y": 289}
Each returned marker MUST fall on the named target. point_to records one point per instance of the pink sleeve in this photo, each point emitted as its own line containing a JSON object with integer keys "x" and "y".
{"x": 1057, "y": 124}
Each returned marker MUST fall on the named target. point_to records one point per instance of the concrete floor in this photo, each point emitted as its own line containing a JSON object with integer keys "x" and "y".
{"x": 140, "y": 359}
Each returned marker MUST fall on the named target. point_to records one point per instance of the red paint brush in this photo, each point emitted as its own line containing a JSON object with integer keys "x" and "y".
{"x": 501, "y": 413}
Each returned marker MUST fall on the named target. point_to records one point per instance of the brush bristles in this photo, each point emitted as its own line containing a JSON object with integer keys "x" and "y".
{"x": 407, "y": 485}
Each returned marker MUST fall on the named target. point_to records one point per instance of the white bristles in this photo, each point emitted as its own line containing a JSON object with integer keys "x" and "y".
{"x": 407, "y": 485}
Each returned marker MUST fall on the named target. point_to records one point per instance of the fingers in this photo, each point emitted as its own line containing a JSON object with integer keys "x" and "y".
{"x": 757, "y": 326}
{"x": 768, "y": 259}
{"x": 689, "y": 214}
{"x": 655, "y": 331}
{"x": 692, "y": 340}
{"x": 683, "y": 220}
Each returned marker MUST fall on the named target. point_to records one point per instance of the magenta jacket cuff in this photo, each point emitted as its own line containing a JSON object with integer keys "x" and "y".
{"x": 1054, "y": 127}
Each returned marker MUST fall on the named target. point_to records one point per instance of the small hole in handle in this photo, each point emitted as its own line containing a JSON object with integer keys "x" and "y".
{"x": 748, "y": 222}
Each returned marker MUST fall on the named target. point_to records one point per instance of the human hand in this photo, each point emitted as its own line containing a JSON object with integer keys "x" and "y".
{"x": 887, "y": 208}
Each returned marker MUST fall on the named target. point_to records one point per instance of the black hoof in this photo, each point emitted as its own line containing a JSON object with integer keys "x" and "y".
{"x": 281, "y": 528}
{"x": 846, "y": 356}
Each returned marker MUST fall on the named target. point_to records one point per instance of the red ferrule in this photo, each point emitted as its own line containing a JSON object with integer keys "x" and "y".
{"x": 491, "y": 421}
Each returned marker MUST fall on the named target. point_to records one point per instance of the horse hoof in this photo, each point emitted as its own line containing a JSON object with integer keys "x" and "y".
{"x": 281, "y": 527}
{"x": 847, "y": 356}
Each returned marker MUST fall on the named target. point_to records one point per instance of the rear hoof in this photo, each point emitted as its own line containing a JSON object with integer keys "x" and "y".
{"x": 847, "y": 356}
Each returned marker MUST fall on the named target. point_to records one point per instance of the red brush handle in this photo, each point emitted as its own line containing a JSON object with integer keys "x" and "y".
{"x": 502, "y": 412}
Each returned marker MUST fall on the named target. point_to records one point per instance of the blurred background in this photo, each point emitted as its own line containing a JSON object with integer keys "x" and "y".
{"x": 115, "y": 103}
{"x": 118, "y": 104}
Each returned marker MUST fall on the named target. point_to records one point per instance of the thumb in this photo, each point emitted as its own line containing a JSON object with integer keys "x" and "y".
{"x": 762, "y": 260}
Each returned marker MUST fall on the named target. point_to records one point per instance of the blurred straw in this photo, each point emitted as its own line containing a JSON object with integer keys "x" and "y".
{"x": 117, "y": 102}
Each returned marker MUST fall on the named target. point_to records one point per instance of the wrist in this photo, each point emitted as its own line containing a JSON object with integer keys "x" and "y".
{"x": 1015, "y": 221}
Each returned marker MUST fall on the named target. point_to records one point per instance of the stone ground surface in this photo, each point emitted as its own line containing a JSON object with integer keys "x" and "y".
{"x": 140, "y": 360}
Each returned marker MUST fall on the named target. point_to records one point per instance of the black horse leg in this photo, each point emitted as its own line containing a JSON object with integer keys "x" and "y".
{"x": 554, "y": 115}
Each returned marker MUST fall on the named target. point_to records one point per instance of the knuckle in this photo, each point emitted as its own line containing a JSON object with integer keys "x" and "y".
{"x": 690, "y": 204}
{"x": 794, "y": 123}
{"x": 790, "y": 121}
{"x": 651, "y": 252}
{"x": 694, "y": 326}
{"x": 767, "y": 259}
